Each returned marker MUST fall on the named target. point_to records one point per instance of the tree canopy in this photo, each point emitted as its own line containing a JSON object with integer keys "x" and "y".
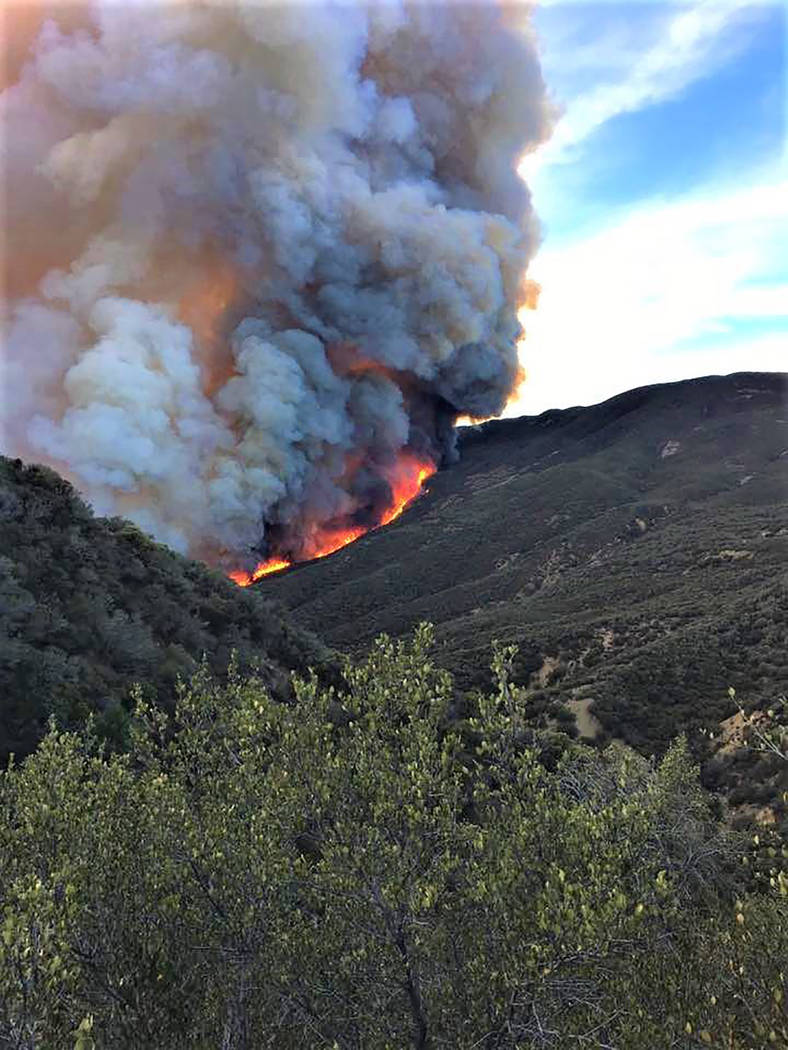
{"x": 367, "y": 873}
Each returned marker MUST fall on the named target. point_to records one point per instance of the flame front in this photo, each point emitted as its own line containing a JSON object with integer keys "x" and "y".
{"x": 265, "y": 568}
{"x": 405, "y": 488}
{"x": 406, "y": 478}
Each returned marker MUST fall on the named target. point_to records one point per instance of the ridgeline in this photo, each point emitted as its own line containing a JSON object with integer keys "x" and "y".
{"x": 635, "y": 551}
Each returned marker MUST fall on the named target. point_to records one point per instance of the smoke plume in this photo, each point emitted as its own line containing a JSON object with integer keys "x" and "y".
{"x": 259, "y": 257}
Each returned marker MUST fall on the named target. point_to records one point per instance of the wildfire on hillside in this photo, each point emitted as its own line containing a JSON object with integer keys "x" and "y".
{"x": 262, "y": 263}
{"x": 406, "y": 479}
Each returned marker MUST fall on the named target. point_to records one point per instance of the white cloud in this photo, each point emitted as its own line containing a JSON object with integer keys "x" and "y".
{"x": 641, "y": 301}
{"x": 671, "y": 54}
{"x": 672, "y": 288}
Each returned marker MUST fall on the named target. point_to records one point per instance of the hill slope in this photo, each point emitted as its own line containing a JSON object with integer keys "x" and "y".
{"x": 90, "y": 605}
{"x": 635, "y": 550}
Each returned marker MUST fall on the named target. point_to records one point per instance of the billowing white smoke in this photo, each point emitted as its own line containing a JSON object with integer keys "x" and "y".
{"x": 255, "y": 252}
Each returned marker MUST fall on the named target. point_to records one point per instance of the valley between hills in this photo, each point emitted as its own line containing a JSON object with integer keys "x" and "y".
{"x": 635, "y": 552}
{"x": 217, "y": 787}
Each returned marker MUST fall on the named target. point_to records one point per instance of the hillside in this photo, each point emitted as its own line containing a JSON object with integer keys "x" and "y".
{"x": 636, "y": 551}
{"x": 89, "y": 606}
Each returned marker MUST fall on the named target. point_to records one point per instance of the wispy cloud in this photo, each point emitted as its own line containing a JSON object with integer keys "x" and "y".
{"x": 638, "y": 69}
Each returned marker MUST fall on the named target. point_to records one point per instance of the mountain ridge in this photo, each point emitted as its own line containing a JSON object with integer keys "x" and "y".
{"x": 634, "y": 551}
{"x": 660, "y": 515}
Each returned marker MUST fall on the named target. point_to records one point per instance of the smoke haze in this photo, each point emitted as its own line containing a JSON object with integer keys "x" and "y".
{"x": 258, "y": 257}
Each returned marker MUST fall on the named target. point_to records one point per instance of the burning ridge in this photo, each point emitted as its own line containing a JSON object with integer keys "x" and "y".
{"x": 257, "y": 263}
{"x": 406, "y": 486}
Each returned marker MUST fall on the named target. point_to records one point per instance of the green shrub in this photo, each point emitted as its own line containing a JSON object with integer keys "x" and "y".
{"x": 357, "y": 875}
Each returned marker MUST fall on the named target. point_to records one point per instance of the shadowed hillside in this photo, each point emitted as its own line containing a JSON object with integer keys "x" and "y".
{"x": 89, "y": 606}
{"x": 635, "y": 550}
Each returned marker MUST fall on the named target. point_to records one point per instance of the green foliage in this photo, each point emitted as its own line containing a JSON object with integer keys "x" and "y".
{"x": 89, "y": 605}
{"x": 371, "y": 874}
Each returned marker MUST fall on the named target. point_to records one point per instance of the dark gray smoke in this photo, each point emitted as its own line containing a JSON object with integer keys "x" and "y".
{"x": 259, "y": 253}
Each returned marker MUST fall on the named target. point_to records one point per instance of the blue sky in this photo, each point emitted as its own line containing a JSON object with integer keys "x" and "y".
{"x": 663, "y": 196}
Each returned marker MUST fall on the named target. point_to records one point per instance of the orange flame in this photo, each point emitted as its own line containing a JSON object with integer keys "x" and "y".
{"x": 406, "y": 479}
{"x": 265, "y": 568}
{"x": 405, "y": 487}
{"x": 333, "y": 538}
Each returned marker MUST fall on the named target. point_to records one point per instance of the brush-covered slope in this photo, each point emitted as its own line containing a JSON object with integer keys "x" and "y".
{"x": 89, "y": 606}
{"x": 635, "y": 550}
